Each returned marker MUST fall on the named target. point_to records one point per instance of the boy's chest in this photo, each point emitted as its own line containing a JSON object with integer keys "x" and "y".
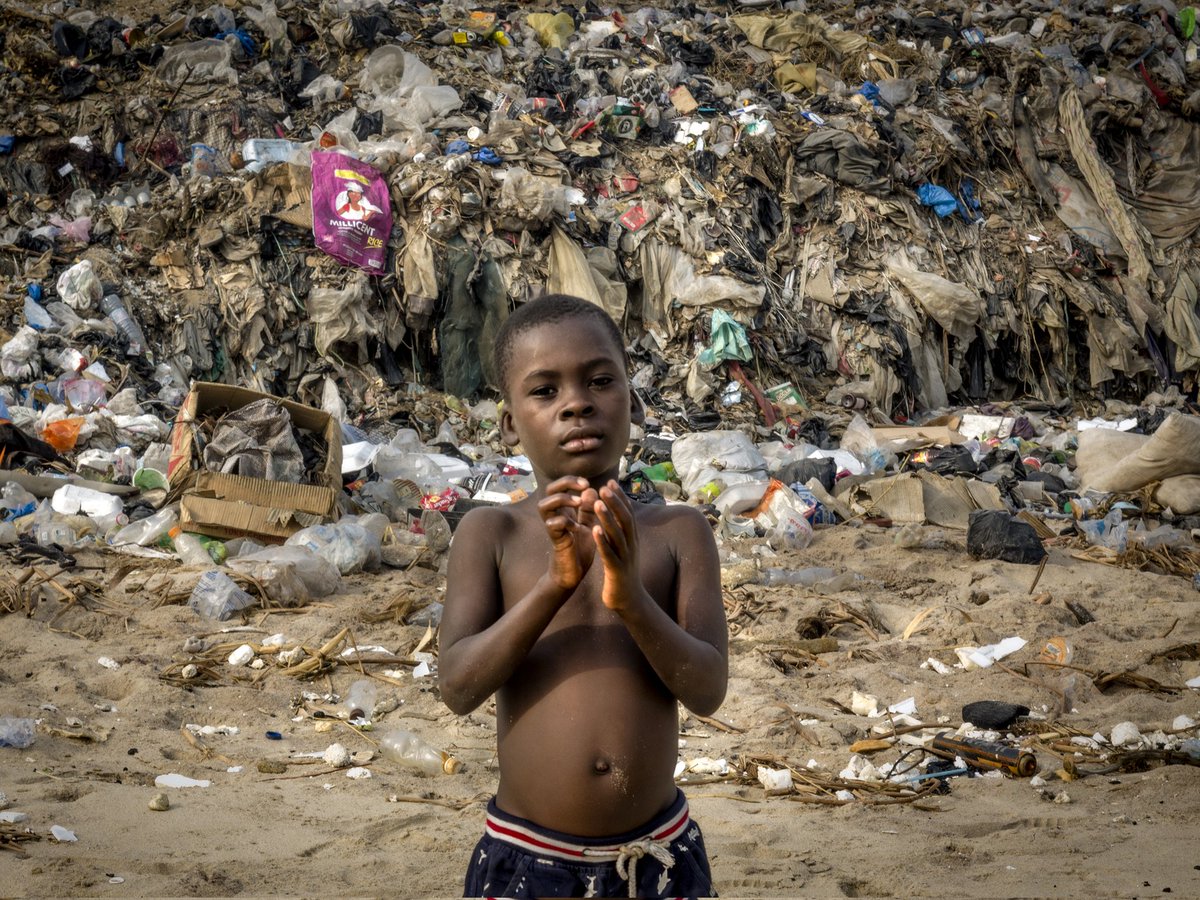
{"x": 520, "y": 571}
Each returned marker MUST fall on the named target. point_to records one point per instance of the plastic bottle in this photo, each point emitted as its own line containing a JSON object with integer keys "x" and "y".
{"x": 414, "y": 752}
{"x": 189, "y": 548}
{"x": 217, "y": 596}
{"x": 147, "y": 531}
{"x": 115, "y": 309}
{"x": 806, "y": 577}
{"x": 360, "y": 699}
{"x": 55, "y": 531}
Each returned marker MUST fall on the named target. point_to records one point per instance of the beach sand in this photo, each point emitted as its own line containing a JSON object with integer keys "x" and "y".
{"x": 314, "y": 831}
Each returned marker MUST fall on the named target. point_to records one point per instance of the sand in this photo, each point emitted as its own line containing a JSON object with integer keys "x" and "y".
{"x": 313, "y": 831}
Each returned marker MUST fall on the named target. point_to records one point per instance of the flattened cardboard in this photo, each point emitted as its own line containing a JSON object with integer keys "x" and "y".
{"x": 227, "y": 506}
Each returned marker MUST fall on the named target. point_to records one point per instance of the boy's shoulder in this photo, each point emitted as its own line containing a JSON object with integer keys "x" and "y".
{"x": 675, "y": 521}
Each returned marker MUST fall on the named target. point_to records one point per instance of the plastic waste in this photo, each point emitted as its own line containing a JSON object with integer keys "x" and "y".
{"x": 347, "y": 545}
{"x": 415, "y": 753}
{"x": 217, "y": 596}
{"x": 188, "y": 548}
{"x": 359, "y": 702}
{"x": 805, "y": 577}
{"x": 72, "y": 499}
{"x": 289, "y": 575}
{"x": 80, "y": 287}
{"x": 1108, "y": 532}
{"x": 17, "y": 733}
{"x": 147, "y": 531}
{"x": 115, "y": 309}
{"x": 36, "y": 316}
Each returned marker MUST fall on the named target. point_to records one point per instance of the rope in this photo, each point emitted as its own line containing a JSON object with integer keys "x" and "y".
{"x": 629, "y": 854}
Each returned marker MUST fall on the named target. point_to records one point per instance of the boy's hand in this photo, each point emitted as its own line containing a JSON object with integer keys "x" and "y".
{"x": 568, "y": 511}
{"x": 617, "y": 543}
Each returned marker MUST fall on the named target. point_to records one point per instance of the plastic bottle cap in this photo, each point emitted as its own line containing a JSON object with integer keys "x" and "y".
{"x": 451, "y": 766}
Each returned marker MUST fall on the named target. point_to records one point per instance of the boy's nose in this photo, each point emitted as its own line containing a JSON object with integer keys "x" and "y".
{"x": 577, "y": 403}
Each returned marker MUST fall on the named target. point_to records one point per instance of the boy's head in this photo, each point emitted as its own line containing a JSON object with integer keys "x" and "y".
{"x": 552, "y": 309}
{"x": 560, "y": 361}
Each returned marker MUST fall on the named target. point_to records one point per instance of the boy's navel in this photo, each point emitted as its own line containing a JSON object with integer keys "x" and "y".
{"x": 601, "y": 766}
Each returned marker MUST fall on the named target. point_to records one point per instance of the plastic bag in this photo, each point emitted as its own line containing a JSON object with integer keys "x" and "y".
{"x": 80, "y": 287}
{"x": 199, "y": 61}
{"x": 859, "y": 440}
{"x": 785, "y": 518}
{"x": 352, "y": 211}
{"x": 63, "y": 434}
{"x": 290, "y": 576}
{"x": 17, "y": 359}
{"x": 725, "y": 457}
{"x": 341, "y": 315}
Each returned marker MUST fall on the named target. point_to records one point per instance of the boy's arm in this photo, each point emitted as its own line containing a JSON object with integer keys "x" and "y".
{"x": 690, "y": 653}
{"x": 480, "y": 644}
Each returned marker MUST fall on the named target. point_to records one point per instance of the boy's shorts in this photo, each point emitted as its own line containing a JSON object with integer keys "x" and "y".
{"x": 664, "y": 858}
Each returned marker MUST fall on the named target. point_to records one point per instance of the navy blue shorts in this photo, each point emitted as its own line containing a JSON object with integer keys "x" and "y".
{"x": 664, "y": 858}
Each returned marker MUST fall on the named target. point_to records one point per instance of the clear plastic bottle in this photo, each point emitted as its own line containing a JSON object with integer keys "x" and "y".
{"x": 115, "y": 309}
{"x": 415, "y": 753}
{"x": 189, "y": 548}
{"x": 147, "y": 531}
{"x": 360, "y": 699}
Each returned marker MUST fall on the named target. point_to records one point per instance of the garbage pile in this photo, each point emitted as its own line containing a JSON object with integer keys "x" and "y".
{"x": 819, "y": 228}
{"x": 955, "y": 202}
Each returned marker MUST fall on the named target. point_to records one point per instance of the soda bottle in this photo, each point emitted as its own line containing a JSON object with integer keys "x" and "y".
{"x": 189, "y": 548}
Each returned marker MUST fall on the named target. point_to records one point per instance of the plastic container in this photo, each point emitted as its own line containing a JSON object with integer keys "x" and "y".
{"x": 217, "y": 596}
{"x": 359, "y": 702}
{"x": 413, "y": 752}
{"x": 147, "y": 531}
{"x": 15, "y": 732}
{"x": 56, "y": 532}
{"x": 71, "y": 499}
{"x": 115, "y": 309}
{"x": 188, "y": 548}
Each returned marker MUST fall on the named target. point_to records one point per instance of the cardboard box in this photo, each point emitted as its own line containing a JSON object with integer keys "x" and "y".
{"x": 229, "y": 506}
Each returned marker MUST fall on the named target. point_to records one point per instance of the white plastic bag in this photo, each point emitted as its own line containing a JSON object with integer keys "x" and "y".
{"x": 727, "y": 457}
{"x": 80, "y": 287}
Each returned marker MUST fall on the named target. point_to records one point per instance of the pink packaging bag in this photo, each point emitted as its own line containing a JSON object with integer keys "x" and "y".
{"x": 352, "y": 212}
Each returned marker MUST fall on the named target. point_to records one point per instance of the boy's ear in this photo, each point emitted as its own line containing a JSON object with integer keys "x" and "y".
{"x": 637, "y": 409}
{"x": 508, "y": 430}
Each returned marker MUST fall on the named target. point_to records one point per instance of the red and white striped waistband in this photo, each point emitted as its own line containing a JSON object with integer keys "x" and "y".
{"x": 536, "y": 841}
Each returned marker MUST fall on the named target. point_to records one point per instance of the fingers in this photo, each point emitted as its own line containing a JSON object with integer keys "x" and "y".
{"x": 617, "y": 533}
{"x": 568, "y": 483}
{"x": 614, "y": 500}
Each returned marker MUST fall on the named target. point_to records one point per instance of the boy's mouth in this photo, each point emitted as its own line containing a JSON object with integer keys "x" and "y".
{"x": 581, "y": 441}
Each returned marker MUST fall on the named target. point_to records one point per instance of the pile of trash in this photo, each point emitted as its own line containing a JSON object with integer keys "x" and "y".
{"x": 901, "y": 207}
{"x": 828, "y": 232}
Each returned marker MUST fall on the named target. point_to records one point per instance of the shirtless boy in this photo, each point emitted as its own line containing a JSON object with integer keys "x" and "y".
{"x": 588, "y": 616}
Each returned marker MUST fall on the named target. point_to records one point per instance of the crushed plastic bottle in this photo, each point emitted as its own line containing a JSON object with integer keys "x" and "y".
{"x": 415, "y": 753}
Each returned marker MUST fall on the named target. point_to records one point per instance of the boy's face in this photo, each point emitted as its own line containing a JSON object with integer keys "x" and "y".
{"x": 568, "y": 400}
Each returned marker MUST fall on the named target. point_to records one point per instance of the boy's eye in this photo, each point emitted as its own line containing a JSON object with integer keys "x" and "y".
{"x": 602, "y": 380}
{"x": 543, "y": 391}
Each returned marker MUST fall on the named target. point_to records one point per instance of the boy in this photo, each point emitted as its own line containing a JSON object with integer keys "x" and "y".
{"x": 588, "y": 616}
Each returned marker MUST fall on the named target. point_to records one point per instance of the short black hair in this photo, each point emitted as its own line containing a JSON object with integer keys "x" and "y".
{"x": 546, "y": 310}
